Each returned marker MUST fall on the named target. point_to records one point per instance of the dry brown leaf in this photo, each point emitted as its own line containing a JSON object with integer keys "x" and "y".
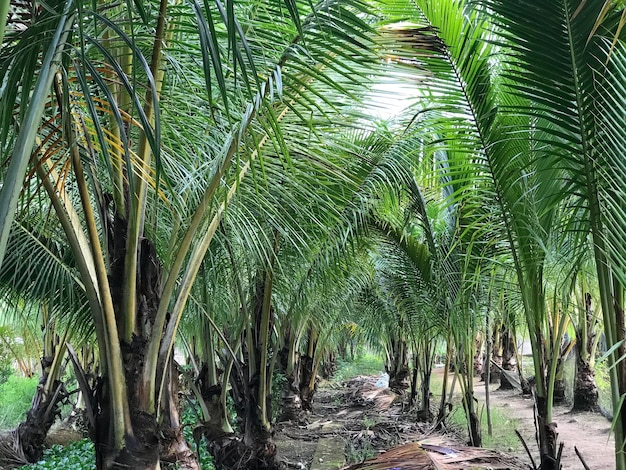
{"x": 418, "y": 456}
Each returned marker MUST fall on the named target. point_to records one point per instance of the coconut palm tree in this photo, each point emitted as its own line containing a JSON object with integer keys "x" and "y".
{"x": 137, "y": 205}
{"x": 483, "y": 167}
{"x": 576, "y": 115}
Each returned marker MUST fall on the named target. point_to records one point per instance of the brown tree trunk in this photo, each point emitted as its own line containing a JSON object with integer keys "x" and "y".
{"x": 559, "y": 382}
{"x": 398, "y": 370}
{"x": 475, "y": 435}
{"x": 255, "y": 449}
{"x": 306, "y": 391}
{"x": 509, "y": 362}
{"x": 414, "y": 377}
{"x": 143, "y": 447}
{"x": 291, "y": 405}
{"x": 547, "y": 437}
{"x": 585, "y": 389}
{"x": 496, "y": 357}
{"x": 174, "y": 449}
{"x": 560, "y": 390}
{"x": 425, "y": 414}
{"x": 31, "y": 433}
{"x": 443, "y": 404}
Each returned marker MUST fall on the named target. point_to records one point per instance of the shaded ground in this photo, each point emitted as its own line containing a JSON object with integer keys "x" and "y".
{"x": 367, "y": 421}
{"x": 589, "y": 432}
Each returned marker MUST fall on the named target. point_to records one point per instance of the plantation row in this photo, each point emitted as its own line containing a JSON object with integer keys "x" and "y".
{"x": 210, "y": 195}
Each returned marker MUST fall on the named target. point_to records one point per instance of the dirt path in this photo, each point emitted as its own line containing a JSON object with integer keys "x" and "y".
{"x": 589, "y": 432}
{"x": 364, "y": 421}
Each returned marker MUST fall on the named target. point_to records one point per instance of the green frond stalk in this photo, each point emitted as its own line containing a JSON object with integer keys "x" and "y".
{"x": 117, "y": 379}
{"x": 264, "y": 337}
{"x": 137, "y": 202}
{"x": 4, "y": 12}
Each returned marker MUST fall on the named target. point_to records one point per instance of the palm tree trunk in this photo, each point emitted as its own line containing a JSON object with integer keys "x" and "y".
{"x": 290, "y": 367}
{"x": 585, "y": 389}
{"x": 174, "y": 449}
{"x": 414, "y": 377}
{"x": 509, "y": 362}
{"x": 32, "y": 432}
{"x": 399, "y": 368}
{"x": 497, "y": 353}
{"x": 443, "y": 408}
{"x": 469, "y": 403}
{"x": 307, "y": 372}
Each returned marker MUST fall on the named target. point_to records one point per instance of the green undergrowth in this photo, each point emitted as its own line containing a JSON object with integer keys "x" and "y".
{"x": 79, "y": 455}
{"x": 189, "y": 419}
{"x": 364, "y": 364}
{"x": 603, "y": 381}
{"x": 503, "y": 436}
{"x": 16, "y": 395}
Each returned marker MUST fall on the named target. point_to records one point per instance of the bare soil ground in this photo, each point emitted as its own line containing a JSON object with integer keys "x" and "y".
{"x": 588, "y": 432}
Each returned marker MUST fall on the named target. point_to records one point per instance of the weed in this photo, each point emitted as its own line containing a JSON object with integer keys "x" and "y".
{"x": 359, "y": 451}
{"x": 369, "y": 422}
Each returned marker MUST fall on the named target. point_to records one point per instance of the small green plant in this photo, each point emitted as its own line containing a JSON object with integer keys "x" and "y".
{"x": 189, "y": 419}
{"x": 359, "y": 451}
{"x": 278, "y": 383}
{"x": 16, "y": 395}
{"x": 79, "y": 455}
{"x": 369, "y": 422}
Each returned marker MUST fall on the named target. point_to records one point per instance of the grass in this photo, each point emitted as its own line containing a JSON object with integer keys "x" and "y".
{"x": 366, "y": 363}
{"x": 503, "y": 436}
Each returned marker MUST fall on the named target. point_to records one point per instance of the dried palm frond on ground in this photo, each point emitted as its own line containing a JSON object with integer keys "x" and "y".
{"x": 11, "y": 450}
{"x": 364, "y": 392}
{"x": 424, "y": 456}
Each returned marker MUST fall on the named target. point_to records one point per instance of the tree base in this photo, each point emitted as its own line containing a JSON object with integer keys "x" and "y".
{"x": 231, "y": 453}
